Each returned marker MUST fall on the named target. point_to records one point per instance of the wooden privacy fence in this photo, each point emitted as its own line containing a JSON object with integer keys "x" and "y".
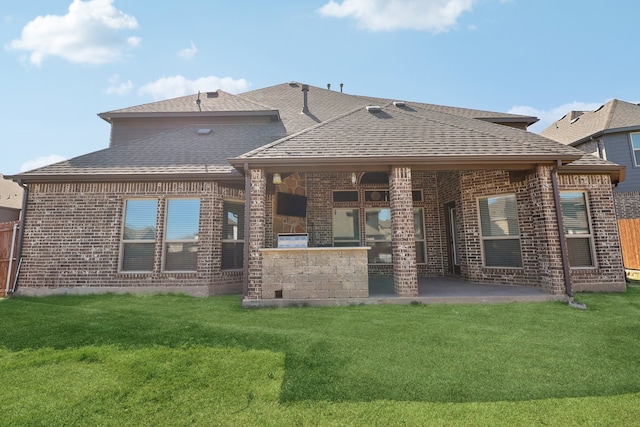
{"x": 8, "y": 262}
{"x": 630, "y": 241}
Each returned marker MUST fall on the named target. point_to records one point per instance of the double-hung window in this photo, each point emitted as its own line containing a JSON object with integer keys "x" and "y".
{"x": 635, "y": 147}
{"x": 500, "y": 231}
{"x": 181, "y": 235}
{"x": 139, "y": 235}
{"x": 577, "y": 228}
{"x": 418, "y": 224}
{"x": 232, "y": 235}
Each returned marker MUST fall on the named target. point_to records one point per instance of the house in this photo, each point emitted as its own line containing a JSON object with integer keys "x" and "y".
{"x": 10, "y": 200}
{"x": 298, "y": 192}
{"x": 612, "y": 132}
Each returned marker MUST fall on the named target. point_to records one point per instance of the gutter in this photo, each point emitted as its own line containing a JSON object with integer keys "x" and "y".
{"x": 23, "y": 215}
{"x": 563, "y": 241}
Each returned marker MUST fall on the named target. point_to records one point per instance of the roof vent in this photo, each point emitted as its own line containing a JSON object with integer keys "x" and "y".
{"x": 212, "y": 94}
{"x": 373, "y": 108}
{"x": 204, "y": 131}
{"x": 399, "y": 103}
{"x": 305, "y": 99}
{"x": 574, "y": 120}
{"x": 293, "y": 84}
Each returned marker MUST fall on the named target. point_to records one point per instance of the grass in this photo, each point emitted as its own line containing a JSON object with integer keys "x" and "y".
{"x": 175, "y": 360}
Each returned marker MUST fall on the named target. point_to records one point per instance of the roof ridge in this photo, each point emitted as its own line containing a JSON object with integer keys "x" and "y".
{"x": 614, "y": 104}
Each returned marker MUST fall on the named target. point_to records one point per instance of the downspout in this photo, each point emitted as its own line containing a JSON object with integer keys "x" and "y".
{"x": 23, "y": 215}
{"x": 247, "y": 214}
{"x": 561, "y": 236}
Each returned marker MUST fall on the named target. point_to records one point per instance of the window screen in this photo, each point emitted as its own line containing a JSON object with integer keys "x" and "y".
{"x": 139, "y": 235}
{"x": 577, "y": 228}
{"x": 181, "y": 235}
{"x": 500, "y": 231}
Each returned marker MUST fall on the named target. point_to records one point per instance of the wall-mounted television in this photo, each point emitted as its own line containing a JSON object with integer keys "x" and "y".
{"x": 291, "y": 205}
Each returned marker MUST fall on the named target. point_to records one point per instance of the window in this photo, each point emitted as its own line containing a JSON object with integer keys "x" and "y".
{"x": 232, "y": 235}
{"x": 577, "y": 229}
{"x": 378, "y": 235}
{"x": 181, "y": 235}
{"x": 418, "y": 224}
{"x": 139, "y": 235}
{"x": 346, "y": 227}
{"x": 500, "y": 231}
{"x": 635, "y": 146}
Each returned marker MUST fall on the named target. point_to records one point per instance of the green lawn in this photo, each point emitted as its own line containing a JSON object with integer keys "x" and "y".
{"x": 176, "y": 360}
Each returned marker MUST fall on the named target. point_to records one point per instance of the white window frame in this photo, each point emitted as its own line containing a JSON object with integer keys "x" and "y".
{"x": 589, "y": 235}
{"x": 166, "y": 241}
{"x": 484, "y": 238}
{"x": 372, "y": 242}
{"x": 124, "y": 242}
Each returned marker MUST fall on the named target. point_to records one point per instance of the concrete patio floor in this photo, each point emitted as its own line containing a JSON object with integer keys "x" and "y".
{"x": 449, "y": 290}
{"x": 431, "y": 290}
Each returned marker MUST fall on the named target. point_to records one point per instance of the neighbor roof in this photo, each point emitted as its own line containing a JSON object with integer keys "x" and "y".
{"x": 576, "y": 127}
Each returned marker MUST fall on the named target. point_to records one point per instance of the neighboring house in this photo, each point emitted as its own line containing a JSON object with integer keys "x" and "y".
{"x": 612, "y": 132}
{"x": 194, "y": 193}
{"x": 10, "y": 200}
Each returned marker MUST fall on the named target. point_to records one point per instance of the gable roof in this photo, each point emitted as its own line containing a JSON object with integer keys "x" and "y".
{"x": 335, "y": 130}
{"x": 409, "y": 133}
{"x": 576, "y": 127}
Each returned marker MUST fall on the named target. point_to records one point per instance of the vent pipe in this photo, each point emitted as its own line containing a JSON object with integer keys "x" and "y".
{"x": 329, "y": 86}
{"x": 305, "y": 106}
{"x": 341, "y": 85}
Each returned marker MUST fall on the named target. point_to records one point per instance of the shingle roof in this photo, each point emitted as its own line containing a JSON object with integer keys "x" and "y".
{"x": 575, "y": 127}
{"x": 412, "y": 131}
{"x": 180, "y": 151}
{"x": 209, "y": 102}
{"x": 336, "y": 128}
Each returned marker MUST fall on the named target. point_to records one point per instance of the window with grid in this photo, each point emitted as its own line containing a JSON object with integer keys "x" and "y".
{"x": 577, "y": 228}
{"x": 635, "y": 147}
{"x": 499, "y": 231}
{"x": 232, "y": 235}
{"x": 181, "y": 235}
{"x": 139, "y": 235}
{"x": 346, "y": 227}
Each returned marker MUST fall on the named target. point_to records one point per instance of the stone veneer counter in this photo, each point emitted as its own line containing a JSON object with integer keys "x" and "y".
{"x": 315, "y": 273}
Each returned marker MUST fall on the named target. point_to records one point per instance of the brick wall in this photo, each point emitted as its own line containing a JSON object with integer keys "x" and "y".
{"x": 609, "y": 272}
{"x": 627, "y": 204}
{"x": 73, "y": 231}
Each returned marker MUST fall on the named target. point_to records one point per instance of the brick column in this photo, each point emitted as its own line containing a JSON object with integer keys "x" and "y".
{"x": 550, "y": 267}
{"x": 403, "y": 245}
{"x": 255, "y": 232}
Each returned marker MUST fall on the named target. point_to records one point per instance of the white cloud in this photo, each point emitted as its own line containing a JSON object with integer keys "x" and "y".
{"x": 174, "y": 86}
{"x": 88, "y": 33}
{"x": 117, "y": 87}
{"x": 188, "y": 52}
{"x": 549, "y": 116}
{"x": 435, "y": 16}
{"x": 40, "y": 162}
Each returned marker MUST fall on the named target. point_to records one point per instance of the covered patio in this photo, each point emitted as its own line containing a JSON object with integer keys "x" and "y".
{"x": 431, "y": 290}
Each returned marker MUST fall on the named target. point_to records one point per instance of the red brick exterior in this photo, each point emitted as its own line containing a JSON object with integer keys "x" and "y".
{"x": 73, "y": 231}
{"x": 256, "y": 229}
{"x": 405, "y": 272}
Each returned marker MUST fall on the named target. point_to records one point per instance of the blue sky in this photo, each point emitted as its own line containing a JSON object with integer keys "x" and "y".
{"x": 65, "y": 61}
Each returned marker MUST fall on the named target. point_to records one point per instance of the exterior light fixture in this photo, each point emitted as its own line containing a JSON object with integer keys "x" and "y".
{"x": 277, "y": 179}
{"x": 354, "y": 178}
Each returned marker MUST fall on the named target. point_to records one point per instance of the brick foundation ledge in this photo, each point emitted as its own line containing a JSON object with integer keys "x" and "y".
{"x": 194, "y": 291}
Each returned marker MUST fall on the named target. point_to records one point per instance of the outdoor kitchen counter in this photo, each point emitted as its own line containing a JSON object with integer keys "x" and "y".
{"x": 315, "y": 273}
